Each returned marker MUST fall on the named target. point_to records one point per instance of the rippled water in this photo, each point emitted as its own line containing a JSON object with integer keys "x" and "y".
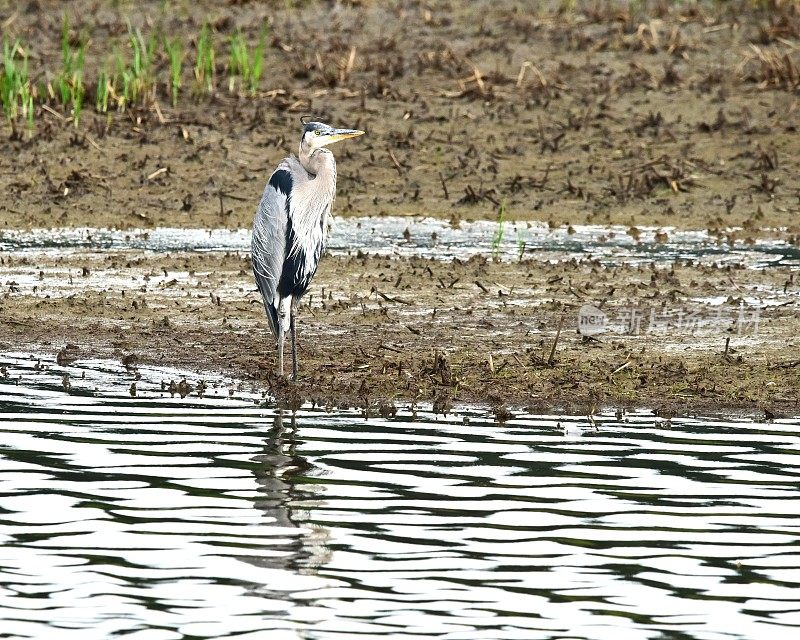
{"x": 156, "y": 517}
{"x": 430, "y": 238}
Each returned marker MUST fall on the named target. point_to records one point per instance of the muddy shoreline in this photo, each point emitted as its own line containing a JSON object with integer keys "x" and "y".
{"x": 375, "y": 331}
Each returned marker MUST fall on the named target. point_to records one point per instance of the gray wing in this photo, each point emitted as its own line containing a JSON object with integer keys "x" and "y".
{"x": 268, "y": 247}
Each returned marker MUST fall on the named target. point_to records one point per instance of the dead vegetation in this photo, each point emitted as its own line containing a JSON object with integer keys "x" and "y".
{"x": 773, "y": 67}
{"x": 376, "y": 331}
{"x": 580, "y": 114}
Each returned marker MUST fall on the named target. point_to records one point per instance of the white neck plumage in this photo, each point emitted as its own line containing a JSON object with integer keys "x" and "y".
{"x": 312, "y": 200}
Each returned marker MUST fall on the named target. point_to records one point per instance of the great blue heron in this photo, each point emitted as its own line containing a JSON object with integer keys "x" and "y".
{"x": 291, "y": 228}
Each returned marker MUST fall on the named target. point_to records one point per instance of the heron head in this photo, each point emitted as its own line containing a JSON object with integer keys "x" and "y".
{"x": 318, "y": 134}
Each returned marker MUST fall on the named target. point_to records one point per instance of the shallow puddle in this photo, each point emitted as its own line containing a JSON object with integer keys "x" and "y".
{"x": 158, "y": 516}
{"x": 430, "y": 238}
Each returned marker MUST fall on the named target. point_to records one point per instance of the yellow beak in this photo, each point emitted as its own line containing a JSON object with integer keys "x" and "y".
{"x": 341, "y": 134}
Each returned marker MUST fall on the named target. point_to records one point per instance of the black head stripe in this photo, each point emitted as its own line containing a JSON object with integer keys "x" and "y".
{"x": 313, "y": 126}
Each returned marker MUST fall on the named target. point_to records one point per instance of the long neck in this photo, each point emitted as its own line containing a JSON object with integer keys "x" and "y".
{"x": 315, "y": 160}
{"x": 312, "y": 199}
{"x": 321, "y": 165}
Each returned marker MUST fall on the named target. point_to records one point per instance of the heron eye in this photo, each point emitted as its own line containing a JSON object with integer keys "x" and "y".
{"x": 317, "y": 132}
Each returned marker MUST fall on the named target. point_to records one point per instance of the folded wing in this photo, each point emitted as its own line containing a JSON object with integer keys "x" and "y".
{"x": 269, "y": 244}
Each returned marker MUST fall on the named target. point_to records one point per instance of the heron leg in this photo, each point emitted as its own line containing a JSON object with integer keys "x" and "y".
{"x": 280, "y": 351}
{"x": 292, "y": 314}
{"x": 282, "y": 309}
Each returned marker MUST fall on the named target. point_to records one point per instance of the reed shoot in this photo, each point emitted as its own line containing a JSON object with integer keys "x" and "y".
{"x": 204, "y": 62}
{"x": 69, "y": 82}
{"x": 103, "y": 92}
{"x": 140, "y": 82}
{"x": 497, "y": 239}
{"x": 175, "y": 54}
{"x": 10, "y": 78}
{"x": 244, "y": 65}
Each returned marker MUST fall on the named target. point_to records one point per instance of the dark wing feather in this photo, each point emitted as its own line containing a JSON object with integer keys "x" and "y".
{"x": 301, "y": 263}
{"x": 269, "y": 246}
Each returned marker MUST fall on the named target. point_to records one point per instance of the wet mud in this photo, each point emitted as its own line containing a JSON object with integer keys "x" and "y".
{"x": 628, "y": 113}
{"x": 374, "y": 331}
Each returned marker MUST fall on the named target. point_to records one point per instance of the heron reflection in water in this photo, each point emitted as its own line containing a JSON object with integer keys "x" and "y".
{"x": 282, "y": 498}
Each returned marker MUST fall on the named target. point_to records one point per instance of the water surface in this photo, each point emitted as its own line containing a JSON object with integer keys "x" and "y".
{"x": 435, "y": 239}
{"x": 154, "y": 517}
